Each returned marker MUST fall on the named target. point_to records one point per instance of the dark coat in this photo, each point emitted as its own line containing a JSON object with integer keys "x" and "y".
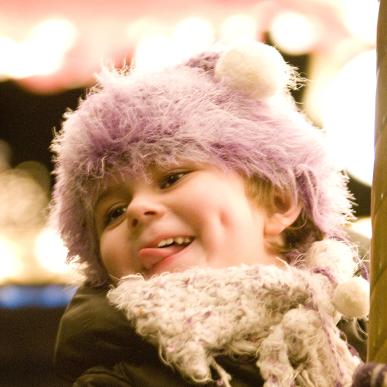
{"x": 96, "y": 346}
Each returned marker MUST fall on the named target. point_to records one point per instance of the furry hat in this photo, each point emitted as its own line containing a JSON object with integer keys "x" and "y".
{"x": 231, "y": 108}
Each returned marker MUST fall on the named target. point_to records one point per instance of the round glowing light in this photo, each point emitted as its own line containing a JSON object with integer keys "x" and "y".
{"x": 57, "y": 33}
{"x": 238, "y": 28}
{"x": 153, "y": 53}
{"x": 192, "y": 35}
{"x": 361, "y": 18}
{"x": 156, "y": 49}
{"x": 11, "y": 264}
{"x": 363, "y": 226}
{"x": 9, "y": 49}
{"x": 294, "y": 33}
{"x": 22, "y": 199}
{"x": 37, "y": 172}
{"x": 41, "y": 53}
{"x": 144, "y": 28}
{"x": 348, "y": 116}
{"x": 50, "y": 251}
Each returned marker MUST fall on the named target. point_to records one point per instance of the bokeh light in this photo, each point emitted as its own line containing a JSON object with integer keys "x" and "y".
{"x": 11, "y": 264}
{"x": 42, "y": 52}
{"x": 143, "y": 28}
{"x": 294, "y": 33}
{"x": 165, "y": 48}
{"x": 348, "y": 115}
{"x": 363, "y": 226}
{"x": 360, "y": 18}
{"x": 22, "y": 200}
{"x": 153, "y": 52}
{"x": 236, "y": 28}
{"x": 50, "y": 251}
{"x": 192, "y": 35}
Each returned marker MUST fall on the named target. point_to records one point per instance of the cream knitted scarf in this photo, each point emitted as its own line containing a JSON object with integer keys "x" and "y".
{"x": 284, "y": 317}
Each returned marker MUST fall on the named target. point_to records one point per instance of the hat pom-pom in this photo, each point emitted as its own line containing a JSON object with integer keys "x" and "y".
{"x": 331, "y": 254}
{"x": 351, "y": 298}
{"x": 351, "y": 294}
{"x": 256, "y": 69}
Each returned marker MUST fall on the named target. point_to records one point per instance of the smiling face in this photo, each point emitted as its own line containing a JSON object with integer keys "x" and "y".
{"x": 191, "y": 215}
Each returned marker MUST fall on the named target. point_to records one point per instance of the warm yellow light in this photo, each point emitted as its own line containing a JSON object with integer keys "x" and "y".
{"x": 192, "y": 35}
{"x": 22, "y": 200}
{"x": 11, "y": 263}
{"x": 153, "y": 52}
{"x": 360, "y": 17}
{"x": 363, "y": 226}
{"x": 237, "y": 28}
{"x": 50, "y": 251}
{"x": 293, "y": 32}
{"x": 9, "y": 49}
{"x": 348, "y": 115}
{"x": 41, "y": 53}
{"x": 158, "y": 47}
{"x": 144, "y": 28}
{"x": 55, "y": 32}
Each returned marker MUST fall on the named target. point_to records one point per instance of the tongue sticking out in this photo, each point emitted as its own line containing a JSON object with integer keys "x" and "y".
{"x": 151, "y": 255}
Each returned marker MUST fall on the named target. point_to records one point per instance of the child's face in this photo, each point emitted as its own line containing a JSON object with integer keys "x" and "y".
{"x": 191, "y": 215}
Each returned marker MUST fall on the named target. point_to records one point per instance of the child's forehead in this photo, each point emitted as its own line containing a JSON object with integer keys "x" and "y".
{"x": 145, "y": 172}
{"x": 152, "y": 172}
{"x": 150, "y": 168}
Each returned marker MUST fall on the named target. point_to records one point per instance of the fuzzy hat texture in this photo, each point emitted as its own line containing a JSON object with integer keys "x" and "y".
{"x": 231, "y": 108}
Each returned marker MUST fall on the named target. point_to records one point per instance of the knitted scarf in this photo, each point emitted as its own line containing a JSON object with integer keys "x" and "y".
{"x": 283, "y": 317}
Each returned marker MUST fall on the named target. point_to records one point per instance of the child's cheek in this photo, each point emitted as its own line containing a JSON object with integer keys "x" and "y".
{"x": 115, "y": 253}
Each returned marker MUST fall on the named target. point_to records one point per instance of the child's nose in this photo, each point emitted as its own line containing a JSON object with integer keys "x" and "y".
{"x": 143, "y": 210}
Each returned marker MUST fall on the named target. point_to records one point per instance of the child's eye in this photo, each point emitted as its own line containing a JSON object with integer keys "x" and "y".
{"x": 113, "y": 214}
{"x": 171, "y": 179}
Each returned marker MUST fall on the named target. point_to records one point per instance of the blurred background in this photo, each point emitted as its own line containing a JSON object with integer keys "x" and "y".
{"x": 49, "y": 53}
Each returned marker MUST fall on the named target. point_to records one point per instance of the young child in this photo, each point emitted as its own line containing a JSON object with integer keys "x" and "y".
{"x": 209, "y": 208}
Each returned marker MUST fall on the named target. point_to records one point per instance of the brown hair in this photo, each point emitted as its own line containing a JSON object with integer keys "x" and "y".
{"x": 298, "y": 237}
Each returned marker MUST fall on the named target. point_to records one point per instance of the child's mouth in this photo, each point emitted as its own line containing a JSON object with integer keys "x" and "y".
{"x": 151, "y": 256}
{"x": 178, "y": 241}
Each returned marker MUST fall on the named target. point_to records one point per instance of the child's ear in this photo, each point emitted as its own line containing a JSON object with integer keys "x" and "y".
{"x": 285, "y": 213}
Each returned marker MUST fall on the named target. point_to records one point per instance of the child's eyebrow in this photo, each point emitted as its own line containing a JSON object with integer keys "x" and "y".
{"x": 99, "y": 203}
{"x": 101, "y": 197}
{"x": 106, "y": 193}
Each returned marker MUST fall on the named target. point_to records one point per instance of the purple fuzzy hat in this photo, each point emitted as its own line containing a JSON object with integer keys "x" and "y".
{"x": 212, "y": 109}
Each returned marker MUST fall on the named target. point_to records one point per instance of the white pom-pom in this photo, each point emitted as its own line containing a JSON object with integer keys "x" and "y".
{"x": 334, "y": 255}
{"x": 256, "y": 69}
{"x": 351, "y": 298}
